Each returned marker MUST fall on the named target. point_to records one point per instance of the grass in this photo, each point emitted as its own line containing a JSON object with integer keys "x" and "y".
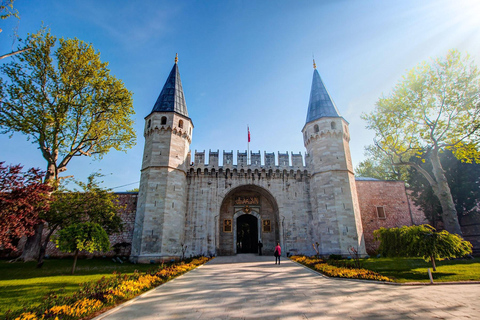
{"x": 415, "y": 270}
{"x": 22, "y": 284}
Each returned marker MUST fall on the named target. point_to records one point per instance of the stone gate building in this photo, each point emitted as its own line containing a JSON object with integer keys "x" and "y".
{"x": 189, "y": 206}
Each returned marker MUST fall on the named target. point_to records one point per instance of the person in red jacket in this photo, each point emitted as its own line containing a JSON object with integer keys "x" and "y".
{"x": 278, "y": 253}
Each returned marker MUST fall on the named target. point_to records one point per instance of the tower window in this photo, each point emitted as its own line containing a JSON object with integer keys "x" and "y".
{"x": 180, "y": 123}
{"x": 333, "y": 125}
{"x": 381, "y": 213}
{"x": 149, "y": 123}
{"x": 315, "y": 128}
{"x": 164, "y": 120}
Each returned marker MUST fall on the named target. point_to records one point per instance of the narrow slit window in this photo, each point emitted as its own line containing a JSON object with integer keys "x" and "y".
{"x": 381, "y": 213}
{"x": 164, "y": 120}
{"x": 180, "y": 123}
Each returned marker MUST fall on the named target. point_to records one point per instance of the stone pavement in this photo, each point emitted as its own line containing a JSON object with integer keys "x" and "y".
{"x": 252, "y": 287}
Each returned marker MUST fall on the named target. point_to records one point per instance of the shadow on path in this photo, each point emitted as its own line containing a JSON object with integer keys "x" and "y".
{"x": 252, "y": 287}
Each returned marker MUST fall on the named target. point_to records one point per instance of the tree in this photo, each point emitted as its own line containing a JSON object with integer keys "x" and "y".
{"x": 23, "y": 198}
{"x": 6, "y": 11}
{"x": 63, "y": 98}
{"x": 378, "y": 166}
{"x": 89, "y": 204}
{"x": 421, "y": 241}
{"x": 463, "y": 180}
{"x": 435, "y": 107}
{"x": 88, "y": 236}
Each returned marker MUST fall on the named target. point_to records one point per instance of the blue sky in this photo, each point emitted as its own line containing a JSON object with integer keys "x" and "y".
{"x": 247, "y": 62}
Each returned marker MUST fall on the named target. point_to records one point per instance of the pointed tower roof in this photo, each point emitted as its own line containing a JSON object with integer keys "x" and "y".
{"x": 172, "y": 98}
{"x": 320, "y": 104}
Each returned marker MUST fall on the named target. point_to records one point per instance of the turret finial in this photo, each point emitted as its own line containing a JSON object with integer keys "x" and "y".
{"x": 176, "y": 57}
{"x": 314, "y": 64}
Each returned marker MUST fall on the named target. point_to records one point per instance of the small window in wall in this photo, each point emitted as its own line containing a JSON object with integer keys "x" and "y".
{"x": 227, "y": 225}
{"x": 315, "y": 128}
{"x": 164, "y": 120}
{"x": 381, "y": 213}
{"x": 267, "y": 226}
{"x": 180, "y": 123}
{"x": 333, "y": 125}
{"x": 149, "y": 123}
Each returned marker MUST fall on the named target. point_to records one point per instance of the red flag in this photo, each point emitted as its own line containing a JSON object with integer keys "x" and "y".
{"x": 248, "y": 129}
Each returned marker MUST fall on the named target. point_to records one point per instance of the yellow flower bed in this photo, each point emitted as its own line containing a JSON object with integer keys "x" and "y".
{"x": 109, "y": 292}
{"x": 78, "y": 309}
{"x": 340, "y": 272}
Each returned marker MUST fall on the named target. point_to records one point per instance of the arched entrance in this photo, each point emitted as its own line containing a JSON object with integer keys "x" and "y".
{"x": 248, "y": 214}
{"x": 247, "y": 234}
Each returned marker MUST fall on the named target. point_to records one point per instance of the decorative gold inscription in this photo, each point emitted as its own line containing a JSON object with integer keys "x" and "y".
{"x": 247, "y": 209}
{"x": 227, "y": 225}
{"x": 247, "y": 200}
{"x": 267, "y": 227}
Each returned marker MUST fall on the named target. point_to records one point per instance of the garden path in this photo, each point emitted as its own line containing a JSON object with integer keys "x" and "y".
{"x": 253, "y": 287}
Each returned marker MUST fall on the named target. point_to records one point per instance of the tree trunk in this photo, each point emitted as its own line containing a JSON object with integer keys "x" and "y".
{"x": 43, "y": 248}
{"x": 434, "y": 266}
{"x": 31, "y": 250}
{"x": 75, "y": 261}
{"x": 442, "y": 191}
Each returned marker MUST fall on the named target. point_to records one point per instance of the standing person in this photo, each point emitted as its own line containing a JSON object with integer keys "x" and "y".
{"x": 278, "y": 253}
{"x": 260, "y": 246}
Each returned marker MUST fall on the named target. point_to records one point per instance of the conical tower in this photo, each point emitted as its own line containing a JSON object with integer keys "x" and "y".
{"x": 336, "y": 221}
{"x": 162, "y": 197}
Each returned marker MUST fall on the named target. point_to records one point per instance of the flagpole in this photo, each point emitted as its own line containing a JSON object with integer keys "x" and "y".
{"x": 248, "y": 145}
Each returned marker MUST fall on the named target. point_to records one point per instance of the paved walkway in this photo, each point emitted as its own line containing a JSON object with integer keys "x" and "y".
{"x": 252, "y": 287}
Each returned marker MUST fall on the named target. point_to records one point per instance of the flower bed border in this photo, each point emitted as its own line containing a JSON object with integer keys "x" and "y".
{"x": 97, "y": 297}
{"x": 330, "y": 271}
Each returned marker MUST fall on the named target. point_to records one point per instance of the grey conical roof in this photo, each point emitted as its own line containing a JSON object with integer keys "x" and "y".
{"x": 172, "y": 98}
{"x": 320, "y": 104}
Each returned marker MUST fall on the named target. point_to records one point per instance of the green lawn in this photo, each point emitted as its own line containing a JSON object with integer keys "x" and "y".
{"x": 415, "y": 270}
{"x": 22, "y": 284}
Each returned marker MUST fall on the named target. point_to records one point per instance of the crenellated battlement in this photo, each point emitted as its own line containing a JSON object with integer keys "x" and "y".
{"x": 285, "y": 161}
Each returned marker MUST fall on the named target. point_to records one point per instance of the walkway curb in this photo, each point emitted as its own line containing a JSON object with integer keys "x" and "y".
{"x": 388, "y": 283}
{"x": 146, "y": 293}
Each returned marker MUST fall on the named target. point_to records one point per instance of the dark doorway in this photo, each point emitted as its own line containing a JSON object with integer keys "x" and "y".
{"x": 247, "y": 234}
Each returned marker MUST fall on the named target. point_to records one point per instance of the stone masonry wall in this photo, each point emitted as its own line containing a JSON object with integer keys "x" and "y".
{"x": 124, "y": 238}
{"x": 390, "y": 195}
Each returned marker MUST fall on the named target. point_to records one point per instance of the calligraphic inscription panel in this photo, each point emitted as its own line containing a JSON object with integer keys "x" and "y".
{"x": 247, "y": 200}
{"x": 227, "y": 225}
{"x": 267, "y": 227}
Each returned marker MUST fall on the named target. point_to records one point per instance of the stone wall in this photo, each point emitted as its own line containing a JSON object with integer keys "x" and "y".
{"x": 391, "y": 195}
{"x": 471, "y": 231}
{"x": 123, "y": 239}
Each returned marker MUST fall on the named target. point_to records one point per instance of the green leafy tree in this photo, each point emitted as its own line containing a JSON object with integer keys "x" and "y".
{"x": 379, "y": 166}
{"x": 7, "y": 10}
{"x": 89, "y": 203}
{"x": 83, "y": 236}
{"x": 421, "y": 241}
{"x": 64, "y": 99}
{"x": 463, "y": 180}
{"x": 435, "y": 107}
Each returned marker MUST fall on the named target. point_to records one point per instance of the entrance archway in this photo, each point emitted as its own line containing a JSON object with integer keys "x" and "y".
{"x": 248, "y": 214}
{"x": 247, "y": 234}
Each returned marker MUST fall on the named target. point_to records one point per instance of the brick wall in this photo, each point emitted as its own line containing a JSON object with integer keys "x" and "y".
{"x": 391, "y": 195}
